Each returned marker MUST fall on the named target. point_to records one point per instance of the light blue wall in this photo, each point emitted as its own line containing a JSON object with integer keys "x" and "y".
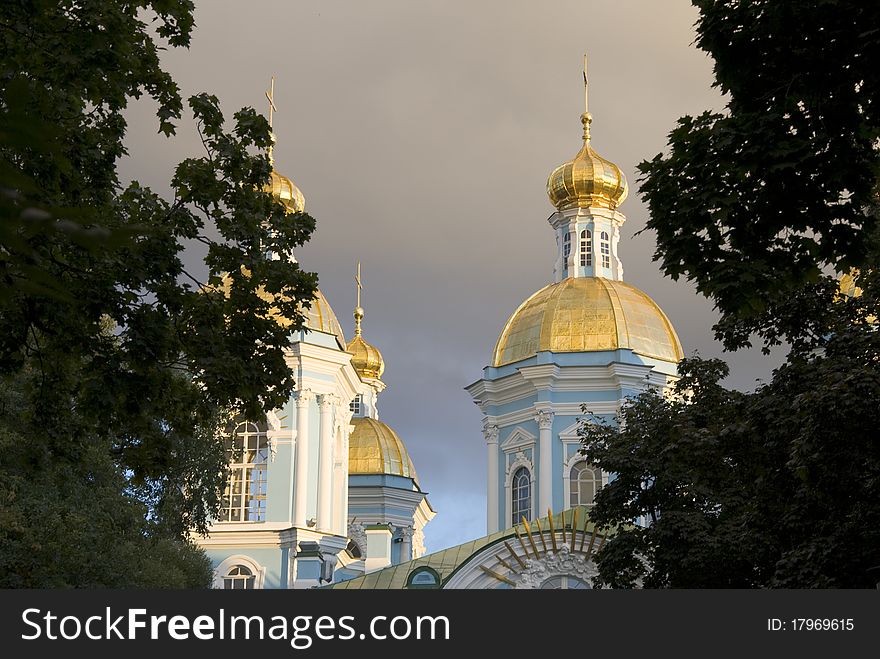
{"x": 271, "y": 558}
{"x": 560, "y": 422}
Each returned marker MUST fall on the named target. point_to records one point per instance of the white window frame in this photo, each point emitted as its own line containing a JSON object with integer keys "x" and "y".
{"x": 605, "y": 249}
{"x": 244, "y": 472}
{"x": 230, "y": 562}
{"x": 586, "y": 248}
{"x": 514, "y": 470}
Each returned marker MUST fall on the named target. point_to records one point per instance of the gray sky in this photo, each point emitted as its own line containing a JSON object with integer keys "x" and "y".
{"x": 422, "y": 135}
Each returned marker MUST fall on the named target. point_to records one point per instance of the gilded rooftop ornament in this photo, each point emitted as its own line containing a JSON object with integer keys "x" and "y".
{"x": 588, "y": 180}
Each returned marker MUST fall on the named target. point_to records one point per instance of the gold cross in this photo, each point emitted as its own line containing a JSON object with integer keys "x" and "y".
{"x": 357, "y": 280}
{"x": 586, "y": 92}
{"x": 270, "y": 95}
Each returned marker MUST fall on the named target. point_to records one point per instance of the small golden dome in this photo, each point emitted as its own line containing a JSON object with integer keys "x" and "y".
{"x": 283, "y": 189}
{"x": 588, "y": 180}
{"x": 587, "y": 314}
{"x": 319, "y": 316}
{"x": 366, "y": 359}
{"x": 374, "y": 448}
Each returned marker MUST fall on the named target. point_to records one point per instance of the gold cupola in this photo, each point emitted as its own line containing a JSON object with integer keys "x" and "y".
{"x": 366, "y": 359}
{"x": 279, "y": 186}
{"x": 588, "y": 180}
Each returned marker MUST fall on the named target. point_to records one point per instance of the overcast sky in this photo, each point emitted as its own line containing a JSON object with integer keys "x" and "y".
{"x": 422, "y": 135}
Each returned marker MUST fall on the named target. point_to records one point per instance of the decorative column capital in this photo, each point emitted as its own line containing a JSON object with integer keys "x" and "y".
{"x": 544, "y": 418}
{"x": 327, "y": 400}
{"x": 490, "y": 432}
{"x": 406, "y": 531}
{"x": 303, "y": 397}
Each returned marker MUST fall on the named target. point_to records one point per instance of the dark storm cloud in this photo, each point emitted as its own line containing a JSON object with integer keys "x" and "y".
{"x": 422, "y": 134}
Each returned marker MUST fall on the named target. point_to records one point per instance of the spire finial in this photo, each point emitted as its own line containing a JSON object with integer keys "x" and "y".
{"x": 358, "y": 312}
{"x": 270, "y": 96}
{"x": 586, "y": 117}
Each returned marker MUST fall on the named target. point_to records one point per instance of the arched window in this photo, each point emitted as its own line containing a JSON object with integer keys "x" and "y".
{"x": 238, "y": 578}
{"x": 585, "y": 482}
{"x": 564, "y": 582}
{"x": 423, "y": 577}
{"x": 521, "y": 495}
{"x": 244, "y": 499}
{"x": 586, "y": 248}
{"x": 605, "y": 249}
{"x": 566, "y": 247}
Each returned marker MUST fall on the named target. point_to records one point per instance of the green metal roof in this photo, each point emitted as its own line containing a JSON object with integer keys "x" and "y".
{"x": 447, "y": 561}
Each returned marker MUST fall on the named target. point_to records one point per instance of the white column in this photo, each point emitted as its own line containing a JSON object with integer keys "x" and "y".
{"x": 406, "y": 534}
{"x": 490, "y": 432}
{"x": 325, "y": 464}
{"x": 545, "y": 460}
{"x": 301, "y": 479}
{"x": 344, "y": 431}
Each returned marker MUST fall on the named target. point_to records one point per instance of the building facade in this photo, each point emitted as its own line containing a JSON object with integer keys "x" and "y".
{"x": 321, "y": 490}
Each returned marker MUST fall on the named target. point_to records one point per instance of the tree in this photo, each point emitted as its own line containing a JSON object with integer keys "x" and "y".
{"x": 777, "y": 488}
{"x": 757, "y": 205}
{"x": 122, "y": 364}
{"x": 754, "y": 203}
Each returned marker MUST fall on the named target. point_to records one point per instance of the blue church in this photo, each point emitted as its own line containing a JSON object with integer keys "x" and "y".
{"x": 324, "y": 493}
{"x": 587, "y": 338}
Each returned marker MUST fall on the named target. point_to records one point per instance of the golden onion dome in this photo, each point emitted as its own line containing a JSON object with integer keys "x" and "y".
{"x": 283, "y": 189}
{"x": 588, "y": 180}
{"x": 587, "y": 314}
{"x": 374, "y": 448}
{"x": 319, "y": 315}
{"x": 366, "y": 359}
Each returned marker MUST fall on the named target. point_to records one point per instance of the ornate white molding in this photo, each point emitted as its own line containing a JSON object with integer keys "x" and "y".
{"x": 418, "y": 543}
{"x": 490, "y": 432}
{"x": 556, "y": 564}
{"x": 544, "y": 419}
{"x": 256, "y": 569}
{"x": 303, "y": 397}
{"x": 358, "y": 535}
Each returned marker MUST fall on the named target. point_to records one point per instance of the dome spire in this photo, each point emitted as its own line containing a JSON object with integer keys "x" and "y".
{"x": 270, "y": 96}
{"x": 280, "y": 186}
{"x": 366, "y": 359}
{"x": 586, "y": 117}
{"x": 358, "y": 311}
{"x": 588, "y": 180}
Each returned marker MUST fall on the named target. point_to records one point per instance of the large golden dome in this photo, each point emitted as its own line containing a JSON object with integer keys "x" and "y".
{"x": 283, "y": 189}
{"x": 588, "y": 180}
{"x": 587, "y": 314}
{"x": 374, "y": 448}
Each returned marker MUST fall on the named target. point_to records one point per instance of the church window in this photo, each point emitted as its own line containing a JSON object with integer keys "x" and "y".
{"x": 586, "y": 248}
{"x": 563, "y": 582}
{"x": 357, "y": 405}
{"x": 423, "y": 577}
{"x": 238, "y": 578}
{"x": 605, "y": 248}
{"x": 521, "y": 495}
{"x": 585, "y": 482}
{"x": 566, "y": 247}
{"x": 244, "y": 499}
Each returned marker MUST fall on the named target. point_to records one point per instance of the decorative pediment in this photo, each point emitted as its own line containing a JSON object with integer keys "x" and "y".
{"x": 519, "y": 438}
{"x": 570, "y": 433}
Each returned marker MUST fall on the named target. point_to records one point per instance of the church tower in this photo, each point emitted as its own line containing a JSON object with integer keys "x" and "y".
{"x": 387, "y": 510}
{"x": 283, "y": 521}
{"x": 588, "y": 338}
